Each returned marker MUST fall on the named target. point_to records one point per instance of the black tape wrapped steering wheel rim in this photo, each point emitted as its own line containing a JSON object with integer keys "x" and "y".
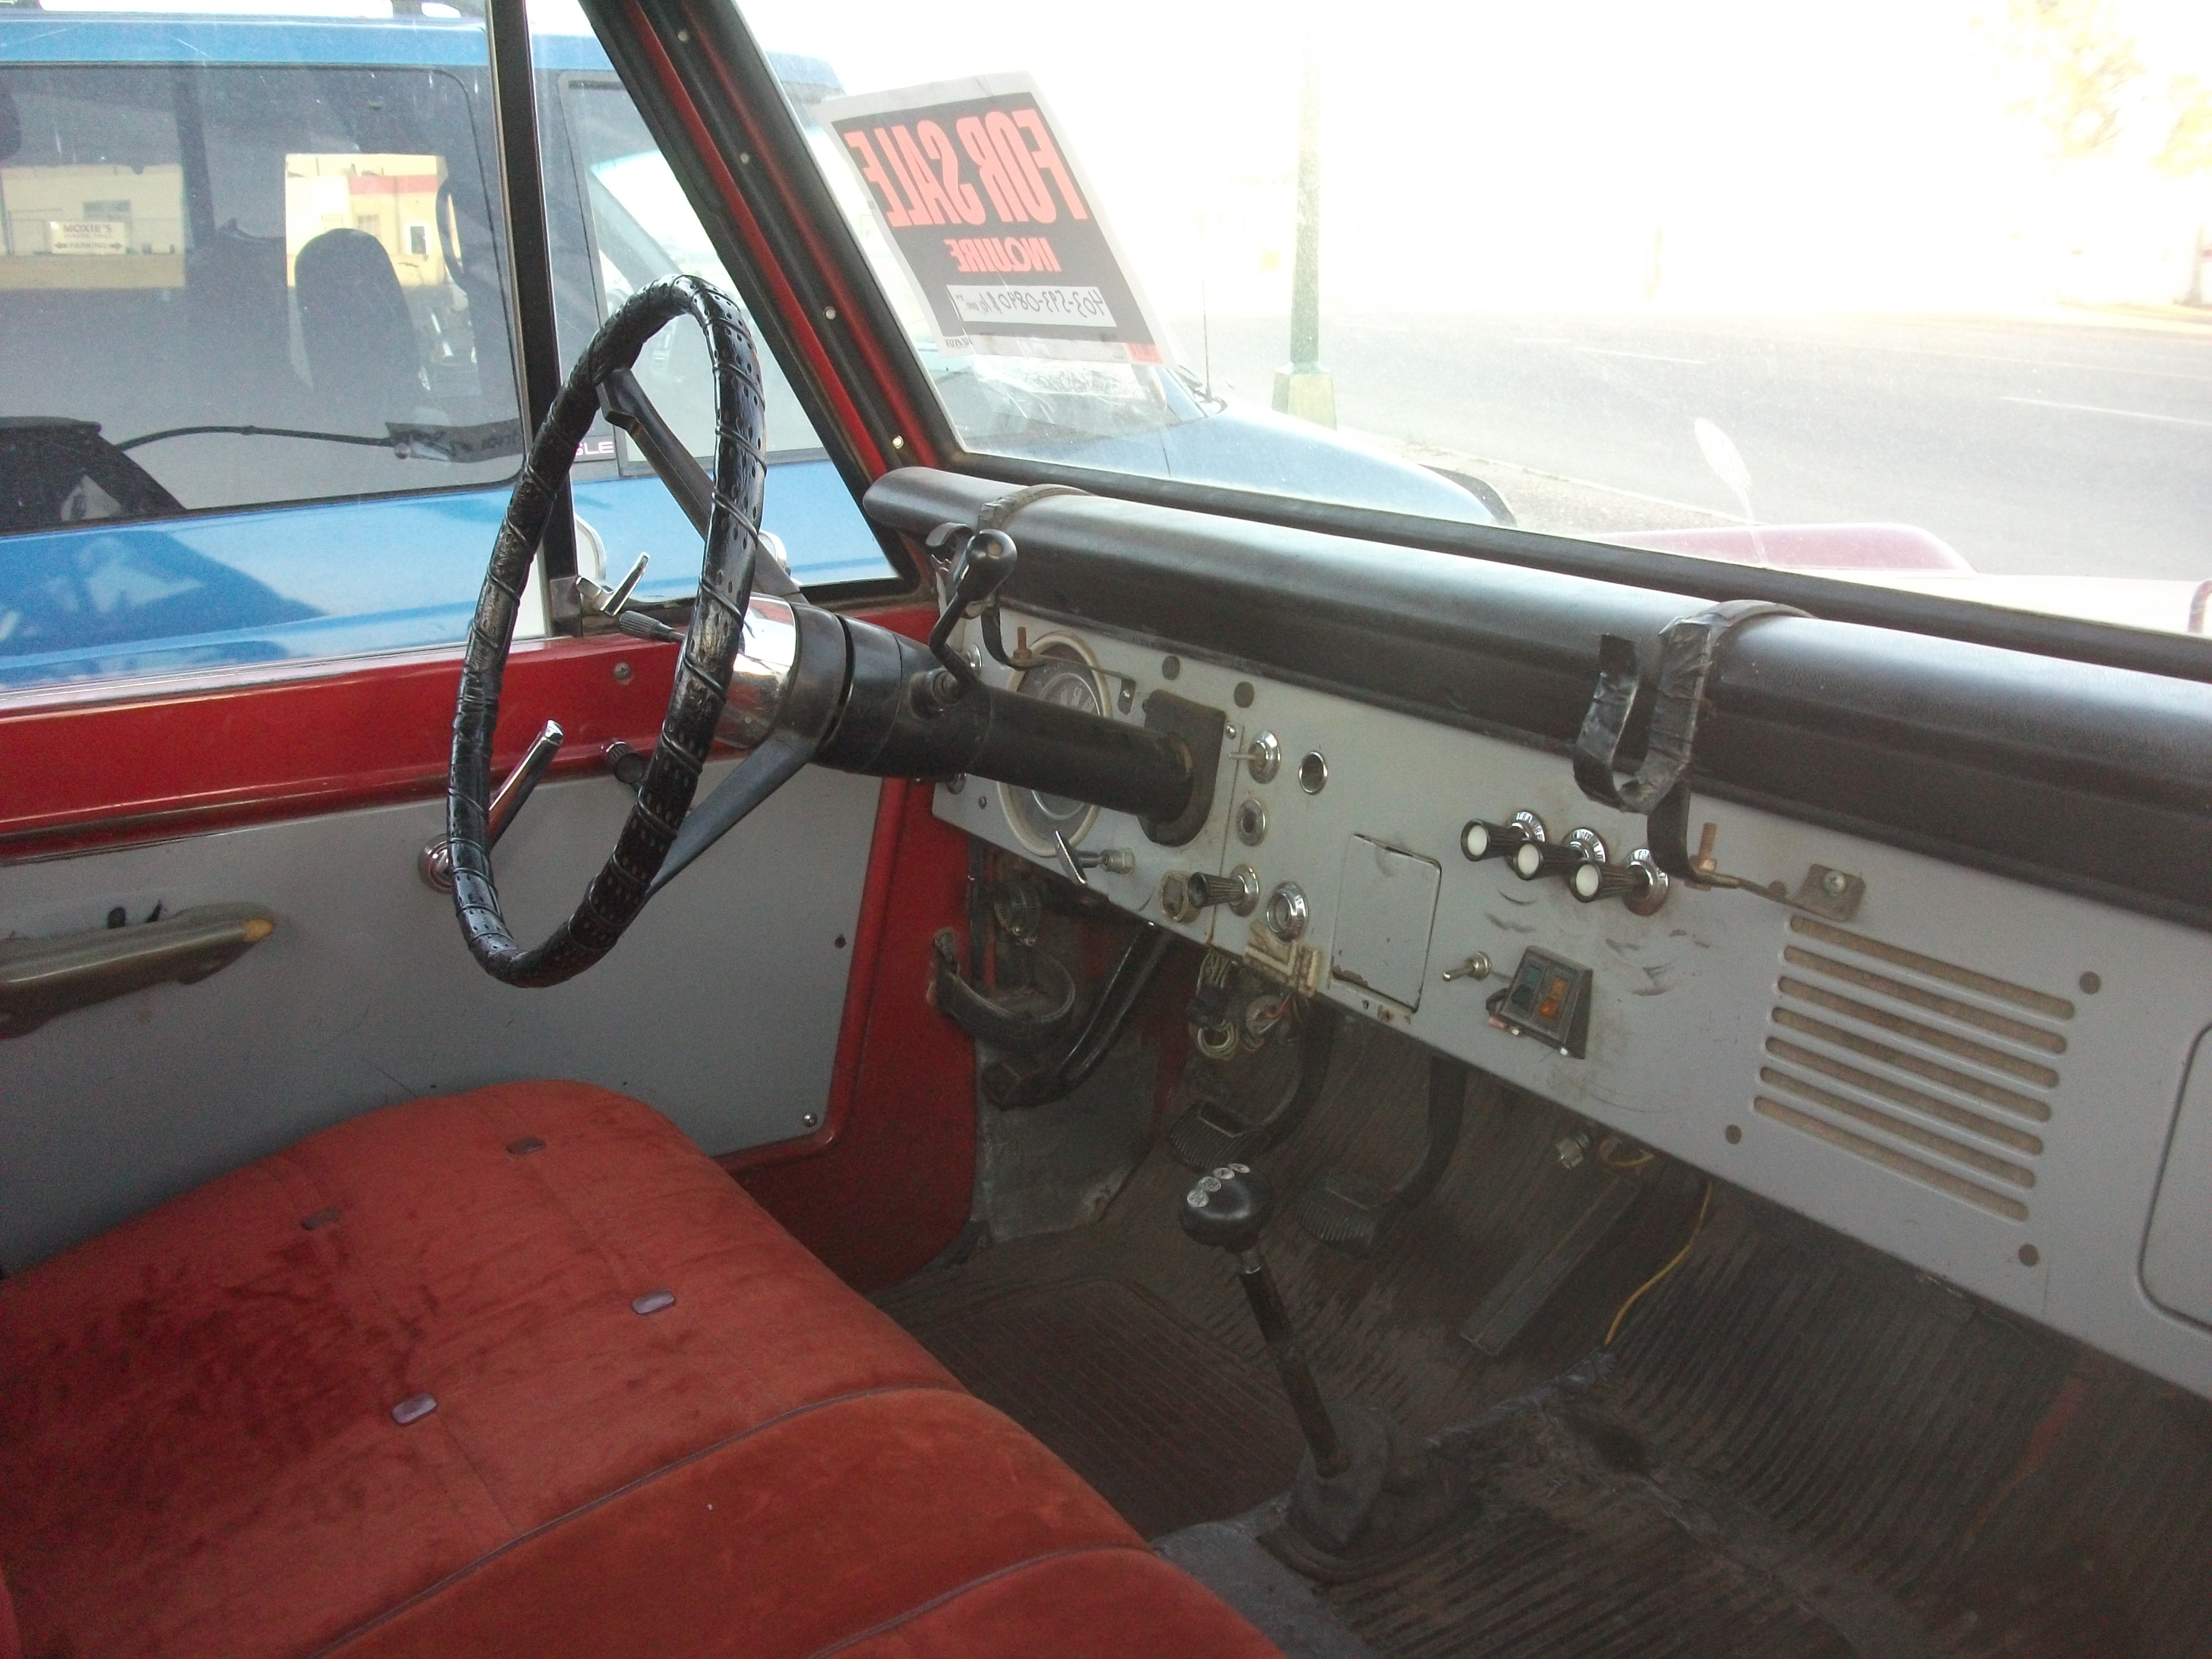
{"x": 614, "y": 897}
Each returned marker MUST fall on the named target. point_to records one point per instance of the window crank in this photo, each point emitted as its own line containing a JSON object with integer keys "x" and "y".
{"x": 435, "y": 864}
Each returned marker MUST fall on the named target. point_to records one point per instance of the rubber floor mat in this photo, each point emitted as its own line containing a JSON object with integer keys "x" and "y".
{"x": 1797, "y": 1446}
{"x": 1171, "y": 1428}
{"x": 1569, "y": 1566}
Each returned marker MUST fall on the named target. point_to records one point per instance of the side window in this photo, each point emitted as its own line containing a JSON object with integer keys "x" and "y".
{"x": 641, "y": 229}
{"x": 629, "y": 224}
{"x": 228, "y": 284}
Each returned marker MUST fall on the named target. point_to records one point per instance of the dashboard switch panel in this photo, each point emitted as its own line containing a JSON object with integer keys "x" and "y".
{"x": 1548, "y": 999}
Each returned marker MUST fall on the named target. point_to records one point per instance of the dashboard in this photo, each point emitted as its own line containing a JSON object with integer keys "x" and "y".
{"x": 1981, "y": 1075}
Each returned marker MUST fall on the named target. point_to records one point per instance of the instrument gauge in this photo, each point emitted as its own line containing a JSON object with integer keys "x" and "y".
{"x": 1061, "y": 671}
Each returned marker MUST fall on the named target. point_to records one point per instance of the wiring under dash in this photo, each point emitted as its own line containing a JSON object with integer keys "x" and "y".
{"x": 1704, "y": 1208}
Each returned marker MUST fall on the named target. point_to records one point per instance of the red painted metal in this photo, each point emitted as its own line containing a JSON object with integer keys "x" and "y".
{"x": 151, "y": 762}
{"x": 795, "y": 310}
{"x": 885, "y": 1184}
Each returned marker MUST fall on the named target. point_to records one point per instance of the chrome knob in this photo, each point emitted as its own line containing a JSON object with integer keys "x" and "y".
{"x": 1640, "y": 884}
{"x": 1592, "y": 884}
{"x": 1482, "y": 839}
{"x": 1568, "y": 858}
{"x": 1286, "y": 915}
{"x": 1239, "y": 889}
{"x": 1533, "y": 860}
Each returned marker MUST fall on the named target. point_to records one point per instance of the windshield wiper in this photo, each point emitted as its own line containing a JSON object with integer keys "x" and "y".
{"x": 487, "y": 441}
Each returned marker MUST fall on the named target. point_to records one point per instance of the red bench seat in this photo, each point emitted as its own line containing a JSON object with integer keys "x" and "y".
{"x": 418, "y": 1386}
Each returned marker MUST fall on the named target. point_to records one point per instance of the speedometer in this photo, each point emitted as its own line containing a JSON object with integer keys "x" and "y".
{"x": 1062, "y": 672}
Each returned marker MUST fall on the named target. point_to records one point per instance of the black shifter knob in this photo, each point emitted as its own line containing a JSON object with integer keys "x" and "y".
{"x": 1227, "y": 1208}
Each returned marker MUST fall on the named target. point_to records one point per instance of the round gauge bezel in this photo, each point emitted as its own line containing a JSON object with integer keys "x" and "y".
{"x": 1031, "y": 814}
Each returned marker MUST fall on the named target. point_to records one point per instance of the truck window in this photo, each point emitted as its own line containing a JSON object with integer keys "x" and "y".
{"x": 256, "y": 389}
{"x": 641, "y": 228}
{"x": 223, "y": 286}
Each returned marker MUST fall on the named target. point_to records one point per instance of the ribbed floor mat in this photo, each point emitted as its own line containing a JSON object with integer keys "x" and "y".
{"x": 1797, "y": 1446}
{"x": 1171, "y": 1428}
{"x": 1567, "y": 1557}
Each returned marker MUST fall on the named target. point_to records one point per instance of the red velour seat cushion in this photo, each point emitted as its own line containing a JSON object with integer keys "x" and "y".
{"x": 202, "y": 1455}
{"x": 835, "y": 1525}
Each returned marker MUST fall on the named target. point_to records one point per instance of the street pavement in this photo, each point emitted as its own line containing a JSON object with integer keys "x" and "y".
{"x": 2033, "y": 447}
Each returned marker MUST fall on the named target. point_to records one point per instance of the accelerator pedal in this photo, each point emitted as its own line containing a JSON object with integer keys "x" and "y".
{"x": 1350, "y": 1213}
{"x": 1516, "y": 1300}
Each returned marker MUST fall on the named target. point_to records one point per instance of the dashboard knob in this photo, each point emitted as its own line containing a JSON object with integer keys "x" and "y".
{"x": 1535, "y": 860}
{"x": 1287, "y": 916}
{"x": 1482, "y": 839}
{"x": 1593, "y": 882}
{"x": 1239, "y": 889}
{"x": 1640, "y": 884}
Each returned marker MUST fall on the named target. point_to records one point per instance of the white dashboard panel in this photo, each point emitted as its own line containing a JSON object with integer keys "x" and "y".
{"x": 1974, "y": 1074}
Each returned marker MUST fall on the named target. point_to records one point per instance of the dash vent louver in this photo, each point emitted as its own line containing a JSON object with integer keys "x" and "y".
{"x": 1940, "y": 1073}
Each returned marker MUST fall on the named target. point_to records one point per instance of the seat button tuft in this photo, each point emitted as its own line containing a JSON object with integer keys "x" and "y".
{"x": 320, "y": 1219}
{"x": 414, "y": 1408}
{"x": 652, "y": 1301}
{"x": 524, "y": 1147}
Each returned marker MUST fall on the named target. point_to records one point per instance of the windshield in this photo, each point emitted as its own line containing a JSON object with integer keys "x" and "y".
{"x": 1918, "y": 294}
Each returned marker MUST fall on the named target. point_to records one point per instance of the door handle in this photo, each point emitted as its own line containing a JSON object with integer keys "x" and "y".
{"x": 42, "y": 977}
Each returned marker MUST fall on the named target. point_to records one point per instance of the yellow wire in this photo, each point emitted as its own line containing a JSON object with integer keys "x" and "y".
{"x": 1680, "y": 1255}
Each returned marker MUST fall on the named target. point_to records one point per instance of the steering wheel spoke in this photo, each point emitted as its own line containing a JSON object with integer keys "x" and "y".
{"x": 624, "y": 403}
{"x": 808, "y": 709}
{"x": 728, "y": 510}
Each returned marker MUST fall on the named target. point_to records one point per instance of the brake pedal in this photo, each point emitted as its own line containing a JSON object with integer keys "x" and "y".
{"x": 1344, "y": 1211}
{"x": 1350, "y": 1213}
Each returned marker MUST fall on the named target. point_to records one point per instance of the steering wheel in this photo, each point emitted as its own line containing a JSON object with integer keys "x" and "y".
{"x": 663, "y": 833}
{"x": 816, "y": 685}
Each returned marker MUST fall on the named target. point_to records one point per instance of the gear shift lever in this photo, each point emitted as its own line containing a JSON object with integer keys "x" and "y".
{"x": 1369, "y": 1492}
{"x": 1227, "y": 1209}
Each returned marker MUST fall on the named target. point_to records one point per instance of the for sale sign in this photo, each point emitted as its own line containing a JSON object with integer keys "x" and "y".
{"x": 974, "y": 186}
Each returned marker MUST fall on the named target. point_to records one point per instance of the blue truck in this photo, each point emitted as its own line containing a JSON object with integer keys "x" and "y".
{"x": 258, "y": 396}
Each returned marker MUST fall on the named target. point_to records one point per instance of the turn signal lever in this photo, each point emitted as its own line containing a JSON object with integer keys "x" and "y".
{"x": 979, "y": 569}
{"x": 435, "y": 863}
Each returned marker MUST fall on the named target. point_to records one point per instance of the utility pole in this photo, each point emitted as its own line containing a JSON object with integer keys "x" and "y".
{"x": 1304, "y": 388}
